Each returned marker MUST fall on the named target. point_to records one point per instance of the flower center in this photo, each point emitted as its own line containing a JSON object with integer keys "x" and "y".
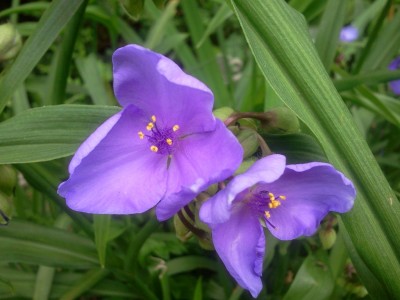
{"x": 265, "y": 202}
{"x": 161, "y": 140}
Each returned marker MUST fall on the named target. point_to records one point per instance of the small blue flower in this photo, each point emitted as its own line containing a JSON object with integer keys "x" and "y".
{"x": 395, "y": 84}
{"x": 349, "y": 34}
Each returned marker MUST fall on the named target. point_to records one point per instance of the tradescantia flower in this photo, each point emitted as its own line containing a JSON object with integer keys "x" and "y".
{"x": 290, "y": 200}
{"x": 349, "y": 34}
{"x": 163, "y": 148}
{"x": 395, "y": 84}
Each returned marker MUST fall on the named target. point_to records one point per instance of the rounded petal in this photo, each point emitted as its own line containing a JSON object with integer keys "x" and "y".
{"x": 114, "y": 172}
{"x": 201, "y": 160}
{"x": 240, "y": 243}
{"x": 157, "y": 85}
{"x": 218, "y": 208}
{"x": 92, "y": 141}
{"x": 312, "y": 190}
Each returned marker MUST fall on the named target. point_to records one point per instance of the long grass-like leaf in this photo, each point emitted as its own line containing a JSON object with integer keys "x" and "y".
{"x": 48, "y": 28}
{"x": 279, "y": 39}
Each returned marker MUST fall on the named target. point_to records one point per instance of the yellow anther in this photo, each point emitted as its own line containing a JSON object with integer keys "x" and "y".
{"x": 150, "y": 126}
{"x": 169, "y": 141}
{"x": 175, "y": 127}
{"x": 271, "y": 195}
{"x": 153, "y": 118}
{"x": 141, "y": 135}
{"x": 154, "y": 148}
{"x": 267, "y": 214}
{"x": 282, "y": 197}
{"x": 274, "y": 204}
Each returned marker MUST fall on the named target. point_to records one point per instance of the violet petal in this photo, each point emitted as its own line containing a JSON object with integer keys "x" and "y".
{"x": 218, "y": 208}
{"x": 312, "y": 190}
{"x": 201, "y": 160}
{"x": 114, "y": 172}
{"x": 155, "y": 84}
{"x": 240, "y": 243}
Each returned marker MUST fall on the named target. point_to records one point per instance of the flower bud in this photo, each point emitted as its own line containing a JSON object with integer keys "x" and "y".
{"x": 8, "y": 179}
{"x": 6, "y": 209}
{"x": 281, "y": 120}
{"x": 327, "y": 238}
{"x": 181, "y": 231}
{"x": 223, "y": 113}
{"x": 10, "y": 41}
{"x": 360, "y": 291}
{"x": 244, "y": 166}
{"x": 249, "y": 141}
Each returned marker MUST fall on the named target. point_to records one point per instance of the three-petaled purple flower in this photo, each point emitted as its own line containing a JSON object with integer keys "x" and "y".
{"x": 348, "y": 34}
{"x": 163, "y": 148}
{"x": 395, "y": 84}
{"x": 291, "y": 200}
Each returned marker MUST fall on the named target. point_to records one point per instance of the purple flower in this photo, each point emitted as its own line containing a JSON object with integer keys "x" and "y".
{"x": 163, "y": 148}
{"x": 291, "y": 200}
{"x": 348, "y": 34}
{"x": 395, "y": 84}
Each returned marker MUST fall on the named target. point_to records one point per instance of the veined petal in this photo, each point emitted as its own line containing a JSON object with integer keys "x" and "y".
{"x": 312, "y": 190}
{"x": 218, "y": 208}
{"x": 115, "y": 172}
{"x": 200, "y": 160}
{"x": 157, "y": 85}
{"x": 240, "y": 243}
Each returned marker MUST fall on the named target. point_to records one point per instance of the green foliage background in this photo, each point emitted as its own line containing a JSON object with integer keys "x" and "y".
{"x": 254, "y": 55}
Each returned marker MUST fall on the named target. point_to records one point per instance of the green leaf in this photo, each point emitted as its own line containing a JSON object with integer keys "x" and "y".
{"x": 189, "y": 263}
{"x": 158, "y": 30}
{"x": 279, "y": 39}
{"x": 94, "y": 83}
{"x": 49, "y": 132}
{"x": 63, "y": 59}
{"x": 298, "y": 148}
{"x": 372, "y": 77}
{"x": 223, "y": 13}
{"x": 87, "y": 281}
{"x": 24, "y": 242}
{"x": 312, "y": 281}
{"x": 133, "y": 8}
{"x": 48, "y": 28}
{"x": 206, "y": 54}
{"x": 101, "y": 235}
{"x": 198, "y": 294}
{"x": 328, "y": 32}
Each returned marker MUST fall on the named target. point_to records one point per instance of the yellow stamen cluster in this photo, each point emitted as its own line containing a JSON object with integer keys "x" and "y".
{"x": 150, "y": 126}
{"x": 273, "y": 203}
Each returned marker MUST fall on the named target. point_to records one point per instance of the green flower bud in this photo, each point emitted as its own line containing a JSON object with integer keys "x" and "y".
{"x": 6, "y": 209}
{"x": 245, "y": 165}
{"x": 327, "y": 237}
{"x": 10, "y": 41}
{"x": 360, "y": 291}
{"x": 8, "y": 179}
{"x": 249, "y": 141}
{"x": 281, "y": 120}
{"x": 181, "y": 231}
{"x": 223, "y": 113}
